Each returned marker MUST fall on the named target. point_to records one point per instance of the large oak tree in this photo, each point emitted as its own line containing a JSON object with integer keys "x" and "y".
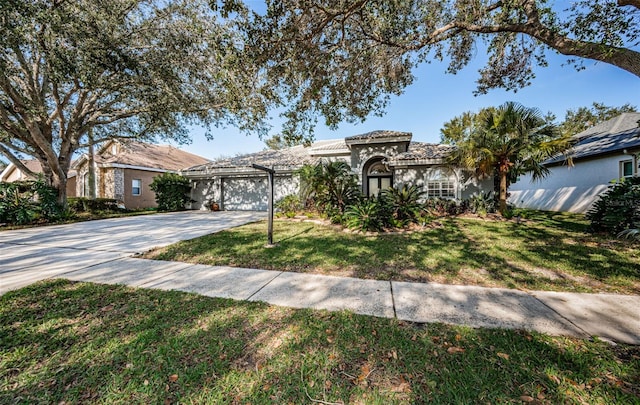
{"x": 138, "y": 69}
{"x": 343, "y": 58}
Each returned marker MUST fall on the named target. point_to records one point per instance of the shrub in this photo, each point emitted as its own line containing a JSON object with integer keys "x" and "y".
{"x": 482, "y": 204}
{"x": 618, "y": 208}
{"x": 172, "y": 191}
{"x": 330, "y": 187}
{"x": 403, "y": 203}
{"x": 28, "y": 201}
{"x": 289, "y": 205}
{"x": 84, "y": 204}
{"x": 364, "y": 216}
{"x": 440, "y": 206}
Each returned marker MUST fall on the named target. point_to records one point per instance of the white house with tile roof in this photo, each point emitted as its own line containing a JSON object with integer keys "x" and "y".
{"x": 380, "y": 159}
{"x": 601, "y": 154}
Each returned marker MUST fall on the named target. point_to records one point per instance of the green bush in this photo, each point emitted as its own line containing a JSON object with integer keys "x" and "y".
{"x": 330, "y": 187}
{"x": 404, "y": 204}
{"x": 172, "y": 191}
{"x": 364, "y": 216}
{"x": 482, "y": 204}
{"x": 440, "y": 207}
{"x": 83, "y": 204}
{"x": 26, "y": 202}
{"x": 289, "y": 205}
{"x": 618, "y": 208}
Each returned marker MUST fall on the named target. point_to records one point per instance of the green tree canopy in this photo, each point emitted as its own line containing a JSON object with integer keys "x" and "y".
{"x": 342, "y": 59}
{"x": 504, "y": 142}
{"x": 138, "y": 69}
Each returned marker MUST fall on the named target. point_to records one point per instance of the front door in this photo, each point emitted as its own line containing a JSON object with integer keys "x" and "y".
{"x": 377, "y": 184}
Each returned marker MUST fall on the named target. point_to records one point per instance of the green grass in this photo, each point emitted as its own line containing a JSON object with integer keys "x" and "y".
{"x": 65, "y": 342}
{"x": 547, "y": 251}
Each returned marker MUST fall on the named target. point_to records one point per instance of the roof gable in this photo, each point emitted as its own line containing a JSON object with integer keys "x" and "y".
{"x": 145, "y": 155}
{"x": 380, "y": 136}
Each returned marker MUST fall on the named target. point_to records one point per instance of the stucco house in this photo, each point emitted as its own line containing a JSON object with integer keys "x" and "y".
{"x": 380, "y": 159}
{"x": 601, "y": 154}
{"x": 124, "y": 170}
{"x": 12, "y": 173}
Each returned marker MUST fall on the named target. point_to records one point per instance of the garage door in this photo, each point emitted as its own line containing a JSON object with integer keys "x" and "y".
{"x": 244, "y": 194}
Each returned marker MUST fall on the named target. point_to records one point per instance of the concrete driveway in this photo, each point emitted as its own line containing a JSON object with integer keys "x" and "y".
{"x": 29, "y": 255}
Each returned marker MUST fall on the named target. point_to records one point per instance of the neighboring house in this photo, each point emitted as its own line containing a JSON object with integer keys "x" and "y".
{"x": 124, "y": 170}
{"x": 604, "y": 153}
{"x": 380, "y": 159}
{"x": 12, "y": 173}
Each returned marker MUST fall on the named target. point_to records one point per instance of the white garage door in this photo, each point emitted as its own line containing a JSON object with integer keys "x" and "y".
{"x": 244, "y": 194}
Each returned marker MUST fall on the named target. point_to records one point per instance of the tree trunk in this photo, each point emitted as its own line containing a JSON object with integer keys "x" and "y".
{"x": 503, "y": 192}
{"x": 91, "y": 167}
{"x": 60, "y": 184}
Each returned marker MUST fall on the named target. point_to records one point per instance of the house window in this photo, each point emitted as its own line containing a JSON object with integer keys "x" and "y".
{"x": 626, "y": 168}
{"x": 441, "y": 189}
{"x": 136, "y": 187}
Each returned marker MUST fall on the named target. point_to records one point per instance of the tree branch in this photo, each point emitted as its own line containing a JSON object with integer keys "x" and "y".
{"x": 17, "y": 162}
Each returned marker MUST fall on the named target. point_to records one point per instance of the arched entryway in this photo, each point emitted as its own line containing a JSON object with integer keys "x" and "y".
{"x": 376, "y": 177}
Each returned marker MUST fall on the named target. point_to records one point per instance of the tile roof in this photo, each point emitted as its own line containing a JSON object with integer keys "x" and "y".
{"x": 423, "y": 151}
{"x": 329, "y": 145}
{"x": 616, "y": 134}
{"x": 377, "y": 135}
{"x": 142, "y": 154}
{"x": 287, "y": 158}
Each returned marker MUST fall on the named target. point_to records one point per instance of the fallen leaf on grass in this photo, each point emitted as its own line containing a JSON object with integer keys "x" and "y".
{"x": 173, "y": 377}
{"x": 455, "y": 349}
{"x": 503, "y": 355}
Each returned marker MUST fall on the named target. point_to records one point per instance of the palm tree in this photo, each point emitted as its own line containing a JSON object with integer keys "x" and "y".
{"x": 330, "y": 184}
{"x": 508, "y": 141}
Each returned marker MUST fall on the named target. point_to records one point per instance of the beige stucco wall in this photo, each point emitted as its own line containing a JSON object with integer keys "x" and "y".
{"x": 71, "y": 187}
{"x": 147, "y": 197}
{"x": 15, "y": 175}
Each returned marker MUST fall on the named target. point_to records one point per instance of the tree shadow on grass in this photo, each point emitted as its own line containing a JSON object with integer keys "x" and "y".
{"x": 530, "y": 255}
{"x": 87, "y": 343}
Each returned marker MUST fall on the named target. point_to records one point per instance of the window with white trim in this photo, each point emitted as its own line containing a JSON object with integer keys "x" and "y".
{"x": 441, "y": 189}
{"x": 626, "y": 168}
{"x": 136, "y": 187}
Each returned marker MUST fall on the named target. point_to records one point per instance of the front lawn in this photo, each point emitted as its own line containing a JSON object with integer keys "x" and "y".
{"x": 547, "y": 251}
{"x": 64, "y": 342}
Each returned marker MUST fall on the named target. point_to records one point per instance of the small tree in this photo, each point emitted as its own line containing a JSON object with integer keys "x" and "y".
{"x": 504, "y": 142}
{"x": 172, "y": 191}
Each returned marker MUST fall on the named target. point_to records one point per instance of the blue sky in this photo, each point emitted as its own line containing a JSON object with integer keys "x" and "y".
{"x": 435, "y": 97}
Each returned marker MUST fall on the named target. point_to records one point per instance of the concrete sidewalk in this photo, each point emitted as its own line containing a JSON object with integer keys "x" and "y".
{"x": 610, "y": 317}
{"x": 100, "y": 251}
